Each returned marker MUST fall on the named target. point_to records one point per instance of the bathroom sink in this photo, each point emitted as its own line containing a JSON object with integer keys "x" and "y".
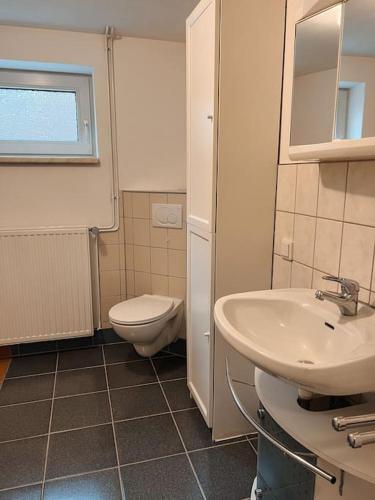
{"x": 292, "y": 335}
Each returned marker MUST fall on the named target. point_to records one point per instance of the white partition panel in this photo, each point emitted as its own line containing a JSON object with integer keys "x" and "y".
{"x": 200, "y": 336}
{"x": 201, "y": 115}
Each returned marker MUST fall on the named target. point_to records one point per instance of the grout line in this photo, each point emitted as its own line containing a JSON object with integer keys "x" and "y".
{"x": 58, "y": 479}
{"x": 154, "y": 459}
{"x": 49, "y": 428}
{"x": 114, "y": 432}
{"x": 11, "y": 488}
{"x": 167, "y": 356}
{"x": 252, "y": 446}
{"x": 92, "y": 392}
{"x": 79, "y": 474}
{"x": 23, "y": 438}
{"x": 179, "y": 433}
{"x": 25, "y": 403}
{"x": 96, "y": 425}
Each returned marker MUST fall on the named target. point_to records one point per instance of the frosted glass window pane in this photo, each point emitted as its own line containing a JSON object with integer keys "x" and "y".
{"x": 38, "y": 115}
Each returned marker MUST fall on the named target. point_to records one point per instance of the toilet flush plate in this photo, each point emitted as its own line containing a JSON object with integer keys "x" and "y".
{"x": 167, "y": 215}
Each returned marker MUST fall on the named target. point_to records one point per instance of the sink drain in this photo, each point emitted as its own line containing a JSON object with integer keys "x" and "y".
{"x": 305, "y": 362}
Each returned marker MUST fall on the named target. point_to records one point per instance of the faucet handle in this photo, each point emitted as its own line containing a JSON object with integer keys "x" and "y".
{"x": 348, "y": 286}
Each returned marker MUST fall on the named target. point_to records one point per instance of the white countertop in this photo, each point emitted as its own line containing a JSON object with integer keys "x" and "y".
{"x": 314, "y": 429}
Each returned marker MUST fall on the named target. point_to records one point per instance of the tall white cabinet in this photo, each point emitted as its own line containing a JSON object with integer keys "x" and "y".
{"x": 234, "y": 74}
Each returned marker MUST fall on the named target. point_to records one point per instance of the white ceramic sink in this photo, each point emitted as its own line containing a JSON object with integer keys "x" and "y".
{"x": 292, "y": 335}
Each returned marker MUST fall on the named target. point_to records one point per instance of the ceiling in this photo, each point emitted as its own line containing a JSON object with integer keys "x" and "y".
{"x": 158, "y": 19}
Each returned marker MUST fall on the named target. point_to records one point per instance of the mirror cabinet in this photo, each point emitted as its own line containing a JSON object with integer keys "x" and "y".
{"x": 333, "y": 103}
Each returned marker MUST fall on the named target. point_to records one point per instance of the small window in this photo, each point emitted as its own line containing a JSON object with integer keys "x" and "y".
{"x": 45, "y": 113}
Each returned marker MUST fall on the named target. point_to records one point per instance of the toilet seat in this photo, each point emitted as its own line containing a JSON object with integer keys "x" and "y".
{"x": 141, "y": 310}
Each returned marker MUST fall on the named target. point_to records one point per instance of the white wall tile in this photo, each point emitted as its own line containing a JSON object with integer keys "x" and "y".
{"x": 127, "y": 267}
{"x": 282, "y": 270}
{"x": 129, "y": 257}
{"x": 360, "y": 197}
{"x": 130, "y": 291}
{"x": 328, "y": 246}
{"x": 141, "y": 205}
{"x": 159, "y": 261}
{"x": 177, "y": 263}
{"x": 307, "y": 189}
{"x": 127, "y": 202}
{"x": 304, "y": 239}
{"x": 286, "y": 188}
{"x": 110, "y": 283}
{"x": 358, "y": 253}
{"x": 128, "y": 228}
{"x": 141, "y": 232}
{"x": 177, "y": 238}
{"x": 283, "y": 229}
{"x": 158, "y": 237}
{"x": 159, "y": 284}
{"x": 109, "y": 257}
{"x": 177, "y": 287}
{"x": 142, "y": 259}
{"x": 301, "y": 276}
{"x": 142, "y": 283}
{"x": 332, "y": 184}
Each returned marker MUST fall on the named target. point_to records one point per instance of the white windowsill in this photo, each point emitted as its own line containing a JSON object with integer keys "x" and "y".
{"x": 84, "y": 160}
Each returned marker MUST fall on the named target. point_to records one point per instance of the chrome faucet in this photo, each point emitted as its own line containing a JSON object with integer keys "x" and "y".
{"x": 346, "y": 300}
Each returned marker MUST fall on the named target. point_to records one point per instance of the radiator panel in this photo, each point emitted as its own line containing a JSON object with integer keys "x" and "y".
{"x": 45, "y": 285}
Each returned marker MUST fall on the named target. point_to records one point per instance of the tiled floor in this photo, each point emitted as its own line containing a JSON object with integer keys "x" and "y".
{"x": 102, "y": 423}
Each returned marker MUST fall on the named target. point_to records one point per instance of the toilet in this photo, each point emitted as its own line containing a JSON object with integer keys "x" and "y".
{"x": 150, "y": 322}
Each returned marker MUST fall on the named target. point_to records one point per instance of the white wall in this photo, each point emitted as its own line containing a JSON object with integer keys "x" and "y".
{"x": 53, "y": 195}
{"x": 150, "y": 97}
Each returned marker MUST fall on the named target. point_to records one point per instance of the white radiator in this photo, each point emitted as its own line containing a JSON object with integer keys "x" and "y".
{"x": 45, "y": 285}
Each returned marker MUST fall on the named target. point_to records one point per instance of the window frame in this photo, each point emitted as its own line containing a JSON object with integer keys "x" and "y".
{"x": 82, "y": 85}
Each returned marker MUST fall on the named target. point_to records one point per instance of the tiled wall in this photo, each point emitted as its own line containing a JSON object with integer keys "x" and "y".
{"x": 140, "y": 258}
{"x": 328, "y": 210}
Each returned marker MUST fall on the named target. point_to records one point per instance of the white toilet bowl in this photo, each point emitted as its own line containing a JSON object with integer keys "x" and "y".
{"x": 150, "y": 322}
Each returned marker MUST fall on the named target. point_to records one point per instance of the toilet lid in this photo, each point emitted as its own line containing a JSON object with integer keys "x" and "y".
{"x": 140, "y": 310}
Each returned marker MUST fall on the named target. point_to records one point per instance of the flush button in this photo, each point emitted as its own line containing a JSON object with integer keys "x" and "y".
{"x": 167, "y": 215}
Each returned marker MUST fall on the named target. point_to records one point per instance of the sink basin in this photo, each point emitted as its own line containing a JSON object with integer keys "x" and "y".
{"x": 292, "y": 335}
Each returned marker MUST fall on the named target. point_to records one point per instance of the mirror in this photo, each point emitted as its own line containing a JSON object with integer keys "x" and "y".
{"x": 315, "y": 77}
{"x": 355, "y": 117}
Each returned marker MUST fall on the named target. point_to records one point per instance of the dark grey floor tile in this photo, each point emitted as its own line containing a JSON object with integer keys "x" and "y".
{"x": 32, "y": 365}
{"x": 119, "y": 353}
{"x": 133, "y": 402}
{"x": 80, "y": 411}
{"x": 168, "y": 478}
{"x": 22, "y": 390}
{"x": 226, "y": 472}
{"x": 194, "y": 430}
{"x": 128, "y": 374}
{"x": 178, "y": 395}
{"x": 26, "y": 420}
{"x": 26, "y": 493}
{"x": 84, "y": 450}
{"x": 107, "y": 336}
{"x": 178, "y": 347}
{"x": 80, "y": 381}
{"x": 77, "y": 343}
{"x": 254, "y": 442}
{"x": 103, "y": 485}
{"x": 170, "y": 368}
{"x": 22, "y": 462}
{"x": 81, "y": 358}
{"x": 38, "y": 347}
{"x": 146, "y": 438}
